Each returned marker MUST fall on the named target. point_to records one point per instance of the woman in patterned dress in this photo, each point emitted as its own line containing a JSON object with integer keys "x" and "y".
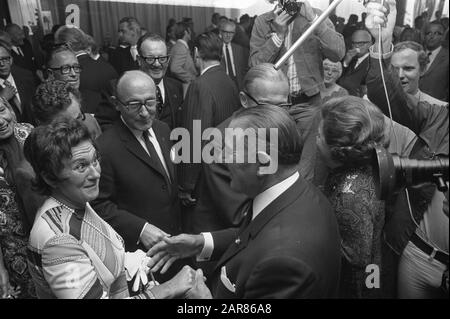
{"x": 350, "y": 130}
{"x": 72, "y": 252}
{"x": 15, "y": 281}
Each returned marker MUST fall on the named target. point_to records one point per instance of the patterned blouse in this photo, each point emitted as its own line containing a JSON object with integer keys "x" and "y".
{"x": 75, "y": 254}
{"x": 13, "y": 235}
{"x": 360, "y": 215}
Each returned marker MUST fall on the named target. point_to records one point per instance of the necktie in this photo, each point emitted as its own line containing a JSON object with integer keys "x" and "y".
{"x": 160, "y": 100}
{"x": 14, "y": 100}
{"x": 229, "y": 64}
{"x": 134, "y": 52}
{"x": 20, "y": 51}
{"x": 154, "y": 156}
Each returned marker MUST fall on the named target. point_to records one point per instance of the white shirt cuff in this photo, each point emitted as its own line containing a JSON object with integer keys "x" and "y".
{"x": 276, "y": 39}
{"x": 139, "y": 239}
{"x": 208, "y": 248}
{"x": 376, "y": 55}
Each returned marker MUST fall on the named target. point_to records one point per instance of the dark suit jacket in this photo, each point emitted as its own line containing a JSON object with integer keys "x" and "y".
{"x": 95, "y": 78}
{"x": 352, "y": 79}
{"x": 25, "y": 87}
{"x": 240, "y": 56}
{"x": 172, "y": 109}
{"x": 435, "y": 80}
{"x": 27, "y": 61}
{"x": 211, "y": 98}
{"x": 133, "y": 189}
{"x": 218, "y": 206}
{"x": 122, "y": 60}
{"x": 290, "y": 250}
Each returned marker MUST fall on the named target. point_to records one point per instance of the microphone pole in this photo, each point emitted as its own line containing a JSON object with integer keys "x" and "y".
{"x": 307, "y": 33}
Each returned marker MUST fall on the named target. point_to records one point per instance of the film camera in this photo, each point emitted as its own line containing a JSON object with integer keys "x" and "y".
{"x": 292, "y": 7}
{"x": 394, "y": 172}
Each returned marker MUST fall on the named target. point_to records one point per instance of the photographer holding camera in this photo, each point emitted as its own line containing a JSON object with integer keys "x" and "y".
{"x": 276, "y": 31}
{"x": 418, "y": 229}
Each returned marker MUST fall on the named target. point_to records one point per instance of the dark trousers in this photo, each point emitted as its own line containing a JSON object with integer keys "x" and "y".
{"x": 314, "y": 100}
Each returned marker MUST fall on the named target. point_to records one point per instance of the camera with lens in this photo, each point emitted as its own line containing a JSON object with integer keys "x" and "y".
{"x": 394, "y": 172}
{"x": 292, "y": 7}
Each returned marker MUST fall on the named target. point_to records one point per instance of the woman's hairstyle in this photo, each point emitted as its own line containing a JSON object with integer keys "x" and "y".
{"x": 48, "y": 146}
{"x": 180, "y": 29}
{"x": 352, "y": 127}
{"x": 423, "y": 57}
{"x": 52, "y": 97}
{"x": 209, "y": 46}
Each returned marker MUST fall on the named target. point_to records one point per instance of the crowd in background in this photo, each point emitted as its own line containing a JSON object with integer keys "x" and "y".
{"x": 88, "y": 187}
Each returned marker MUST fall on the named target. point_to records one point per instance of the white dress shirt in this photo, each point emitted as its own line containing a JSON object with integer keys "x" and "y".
{"x": 134, "y": 52}
{"x": 209, "y": 67}
{"x": 162, "y": 89}
{"x": 260, "y": 202}
{"x": 230, "y": 51}
{"x": 18, "y": 50}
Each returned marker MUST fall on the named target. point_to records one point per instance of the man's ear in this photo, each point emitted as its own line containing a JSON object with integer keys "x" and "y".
{"x": 115, "y": 102}
{"x": 140, "y": 61}
{"x": 264, "y": 160}
{"x": 244, "y": 99}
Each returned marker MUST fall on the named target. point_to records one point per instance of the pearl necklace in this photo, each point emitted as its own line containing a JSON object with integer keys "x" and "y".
{"x": 72, "y": 211}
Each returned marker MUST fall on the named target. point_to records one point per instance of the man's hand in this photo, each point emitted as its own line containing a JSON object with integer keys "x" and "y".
{"x": 176, "y": 287}
{"x": 186, "y": 199}
{"x": 280, "y": 23}
{"x": 8, "y": 92}
{"x": 151, "y": 235}
{"x": 199, "y": 289}
{"x": 307, "y": 11}
{"x": 379, "y": 15}
{"x": 350, "y": 56}
{"x": 170, "y": 249}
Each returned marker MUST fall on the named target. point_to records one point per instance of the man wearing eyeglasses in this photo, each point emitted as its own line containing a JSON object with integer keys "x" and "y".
{"x": 16, "y": 85}
{"x": 435, "y": 79}
{"x": 356, "y": 64}
{"x": 154, "y": 60}
{"x": 235, "y": 57}
{"x": 138, "y": 185}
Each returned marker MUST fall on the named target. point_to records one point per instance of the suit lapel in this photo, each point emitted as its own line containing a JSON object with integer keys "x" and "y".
{"x": 438, "y": 61}
{"x": 134, "y": 147}
{"x": 165, "y": 149}
{"x": 256, "y": 225}
{"x": 170, "y": 102}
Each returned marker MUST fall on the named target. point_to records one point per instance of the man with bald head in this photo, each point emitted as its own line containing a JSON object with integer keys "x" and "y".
{"x": 138, "y": 186}
{"x": 218, "y": 206}
{"x": 356, "y": 64}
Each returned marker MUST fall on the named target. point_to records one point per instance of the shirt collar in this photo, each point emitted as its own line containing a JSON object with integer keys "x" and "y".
{"x": 184, "y": 43}
{"x": 263, "y": 200}
{"x": 364, "y": 57}
{"x": 10, "y": 79}
{"x": 137, "y": 133}
{"x": 209, "y": 67}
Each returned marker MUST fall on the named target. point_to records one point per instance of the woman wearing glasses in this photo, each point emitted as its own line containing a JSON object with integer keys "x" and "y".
{"x": 73, "y": 253}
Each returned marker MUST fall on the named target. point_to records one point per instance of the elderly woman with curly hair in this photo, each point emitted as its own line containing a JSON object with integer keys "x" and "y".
{"x": 349, "y": 131}
{"x": 72, "y": 252}
{"x": 55, "y": 98}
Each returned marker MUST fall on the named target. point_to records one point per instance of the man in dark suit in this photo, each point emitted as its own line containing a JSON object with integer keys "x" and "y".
{"x": 288, "y": 245}
{"x": 154, "y": 60}
{"x": 138, "y": 184}
{"x": 435, "y": 79}
{"x": 124, "y": 57}
{"x": 235, "y": 57}
{"x": 95, "y": 76}
{"x": 211, "y": 98}
{"x": 356, "y": 64}
{"x": 264, "y": 85}
{"x": 16, "y": 85}
{"x": 22, "y": 50}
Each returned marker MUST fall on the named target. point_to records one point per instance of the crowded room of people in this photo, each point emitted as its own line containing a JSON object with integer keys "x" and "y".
{"x": 271, "y": 149}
